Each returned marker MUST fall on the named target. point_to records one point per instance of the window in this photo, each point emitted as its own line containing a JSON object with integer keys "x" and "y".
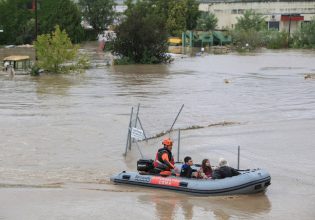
{"x": 273, "y": 25}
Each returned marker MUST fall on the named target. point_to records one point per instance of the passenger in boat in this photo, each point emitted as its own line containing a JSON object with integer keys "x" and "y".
{"x": 205, "y": 171}
{"x": 186, "y": 170}
{"x": 224, "y": 170}
{"x": 164, "y": 160}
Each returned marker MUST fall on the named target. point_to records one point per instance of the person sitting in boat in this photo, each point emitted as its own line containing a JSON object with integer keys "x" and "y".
{"x": 164, "y": 160}
{"x": 186, "y": 170}
{"x": 224, "y": 170}
{"x": 205, "y": 171}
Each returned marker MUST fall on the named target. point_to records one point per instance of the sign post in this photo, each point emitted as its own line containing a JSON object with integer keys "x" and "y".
{"x": 137, "y": 134}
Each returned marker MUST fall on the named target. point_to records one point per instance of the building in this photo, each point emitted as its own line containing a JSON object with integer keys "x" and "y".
{"x": 283, "y": 15}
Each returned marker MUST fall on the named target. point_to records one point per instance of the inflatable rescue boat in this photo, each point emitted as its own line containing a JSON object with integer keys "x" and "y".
{"x": 247, "y": 182}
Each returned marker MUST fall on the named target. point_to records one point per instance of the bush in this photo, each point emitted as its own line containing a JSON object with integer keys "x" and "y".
{"x": 305, "y": 37}
{"x": 247, "y": 39}
{"x": 123, "y": 61}
{"x": 275, "y": 39}
{"x": 56, "y": 53}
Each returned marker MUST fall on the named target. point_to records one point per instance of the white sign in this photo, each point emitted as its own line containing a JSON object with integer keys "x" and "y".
{"x": 1, "y": 30}
{"x": 137, "y": 134}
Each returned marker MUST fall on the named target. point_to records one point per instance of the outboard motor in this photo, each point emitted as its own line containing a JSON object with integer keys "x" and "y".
{"x": 145, "y": 165}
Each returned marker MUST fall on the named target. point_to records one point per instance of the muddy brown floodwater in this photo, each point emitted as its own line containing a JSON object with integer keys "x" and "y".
{"x": 63, "y": 136}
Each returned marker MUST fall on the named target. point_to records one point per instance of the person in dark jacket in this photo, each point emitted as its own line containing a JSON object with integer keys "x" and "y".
{"x": 224, "y": 170}
{"x": 186, "y": 170}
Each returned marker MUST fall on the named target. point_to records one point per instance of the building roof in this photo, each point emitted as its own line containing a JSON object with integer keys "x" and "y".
{"x": 16, "y": 58}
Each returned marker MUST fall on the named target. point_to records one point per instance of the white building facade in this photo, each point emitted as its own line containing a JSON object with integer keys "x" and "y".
{"x": 283, "y": 15}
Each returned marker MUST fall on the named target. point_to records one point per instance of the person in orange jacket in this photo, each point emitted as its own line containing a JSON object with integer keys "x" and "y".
{"x": 164, "y": 160}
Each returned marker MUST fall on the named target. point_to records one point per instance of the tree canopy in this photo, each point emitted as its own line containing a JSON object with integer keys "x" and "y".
{"x": 251, "y": 21}
{"x": 179, "y": 15}
{"x": 207, "y": 22}
{"x": 142, "y": 35}
{"x": 64, "y": 13}
{"x": 99, "y": 13}
{"x": 192, "y": 14}
{"x": 15, "y": 21}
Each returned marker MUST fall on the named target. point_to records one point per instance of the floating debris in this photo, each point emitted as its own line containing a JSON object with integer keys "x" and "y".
{"x": 193, "y": 127}
{"x": 49, "y": 185}
{"x": 226, "y": 81}
{"x": 309, "y": 76}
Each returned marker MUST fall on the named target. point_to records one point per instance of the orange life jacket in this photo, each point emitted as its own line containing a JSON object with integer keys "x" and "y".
{"x": 159, "y": 160}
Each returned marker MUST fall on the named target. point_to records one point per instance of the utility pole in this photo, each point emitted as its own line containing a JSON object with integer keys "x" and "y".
{"x": 289, "y": 25}
{"x": 289, "y": 30}
{"x": 36, "y": 25}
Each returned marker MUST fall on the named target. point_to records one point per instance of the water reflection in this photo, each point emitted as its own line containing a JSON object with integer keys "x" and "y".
{"x": 168, "y": 205}
{"x": 56, "y": 84}
{"x": 131, "y": 75}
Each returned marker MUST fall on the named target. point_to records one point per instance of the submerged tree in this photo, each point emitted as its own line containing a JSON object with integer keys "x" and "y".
{"x": 142, "y": 35}
{"x": 54, "y": 50}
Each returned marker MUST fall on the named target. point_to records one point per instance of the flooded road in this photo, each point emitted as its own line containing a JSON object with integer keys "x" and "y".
{"x": 63, "y": 136}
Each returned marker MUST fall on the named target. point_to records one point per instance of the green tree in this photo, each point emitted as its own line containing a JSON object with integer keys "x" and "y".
{"x": 192, "y": 14}
{"x": 207, "y": 22}
{"x": 99, "y": 13}
{"x": 142, "y": 35}
{"x": 14, "y": 19}
{"x": 64, "y": 13}
{"x": 251, "y": 21}
{"x": 249, "y": 31}
{"x": 182, "y": 15}
{"x": 305, "y": 37}
{"x": 179, "y": 15}
{"x": 176, "y": 19}
{"x": 55, "y": 50}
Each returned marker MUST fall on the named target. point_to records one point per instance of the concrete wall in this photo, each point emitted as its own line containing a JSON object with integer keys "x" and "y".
{"x": 228, "y": 11}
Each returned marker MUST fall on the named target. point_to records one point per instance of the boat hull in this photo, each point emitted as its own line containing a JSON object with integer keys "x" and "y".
{"x": 248, "y": 182}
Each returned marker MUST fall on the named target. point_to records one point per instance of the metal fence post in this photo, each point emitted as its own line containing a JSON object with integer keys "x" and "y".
{"x": 178, "y": 147}
{"x": 238, "y": 157}
{"x": 142, "y": 128}
{"x": 176, "y": 118}
{"x": 129, "y": 133}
